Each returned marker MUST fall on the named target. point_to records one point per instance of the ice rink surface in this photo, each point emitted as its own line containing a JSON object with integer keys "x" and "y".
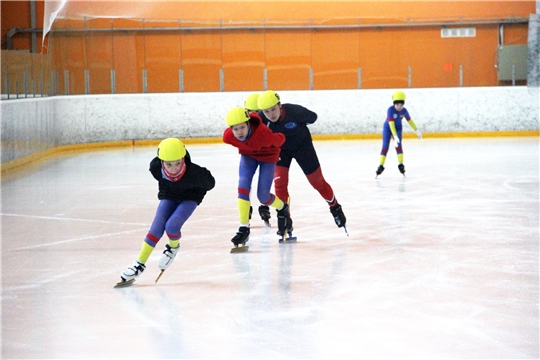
{"x": 441, "y": 264}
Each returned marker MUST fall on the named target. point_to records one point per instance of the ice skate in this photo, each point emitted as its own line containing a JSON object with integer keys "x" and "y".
{"x": 339, "y": 217}
{"x": 379, "y": 171}
{"x": 289, "y": 238}
{"x": 283, "y": 219}
{"x": 264, "y": 212}
{"x": 128, "y": 276}
{"x": 285, "y": 225}
{"x": 168, "y": 256}
{"x": 240, "y": 240}
{"x": 401, "y": 168}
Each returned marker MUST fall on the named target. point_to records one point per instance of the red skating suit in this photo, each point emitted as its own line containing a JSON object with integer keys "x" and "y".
{"x": 262, "y": 144}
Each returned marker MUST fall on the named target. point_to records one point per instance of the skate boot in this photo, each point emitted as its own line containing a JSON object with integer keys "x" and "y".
{"x": 168, "y": 256}
{"x": 401, "y": 168}
{"x": 339, "y": 216}
{"x": 264, "y": 212}
{"x": 379, "y": 170}
{"x": 242, "y": 236}
{"x": 284, "y": 220}
{"x": 250, "y": 212}
{"x": 289, "y": 229}
{"x": 133, "y": 271}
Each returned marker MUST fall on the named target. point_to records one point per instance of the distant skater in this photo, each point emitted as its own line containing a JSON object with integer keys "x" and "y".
{"x": 393, "y": 128}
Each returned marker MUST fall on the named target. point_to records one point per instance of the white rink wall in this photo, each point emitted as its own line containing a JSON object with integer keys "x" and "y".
{"x": 30, "y": 126}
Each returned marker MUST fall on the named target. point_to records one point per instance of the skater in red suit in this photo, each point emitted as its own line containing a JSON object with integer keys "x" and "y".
{"x": 251, "y": 106}
{"x": 292, "y": 121}
{"x": 258, "y": 148}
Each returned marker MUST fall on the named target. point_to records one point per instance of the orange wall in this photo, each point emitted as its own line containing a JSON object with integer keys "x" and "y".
{"x": 302, "y": 10}
{"x": 334, "y": 57}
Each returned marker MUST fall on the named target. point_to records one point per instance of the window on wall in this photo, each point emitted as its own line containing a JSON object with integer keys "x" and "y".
{"x": 458, "y": 32}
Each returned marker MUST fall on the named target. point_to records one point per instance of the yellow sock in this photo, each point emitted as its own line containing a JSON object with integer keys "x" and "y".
{"x": 277, "y": 203}
{"x": 382, "y": 159}
{"x": 145, "y": 253}
{"x": 174, "y": 243}
{"x": 400, "y": 158}
{"x": 243, "y": 211}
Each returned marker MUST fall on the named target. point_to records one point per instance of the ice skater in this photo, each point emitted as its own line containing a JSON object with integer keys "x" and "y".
{"x": 292, "y": 120}
{"x": 251, "y": 105}
{"x": 182, "y": 187}
{"x": 259, "y": 148}
{"x": 393, "y": 128}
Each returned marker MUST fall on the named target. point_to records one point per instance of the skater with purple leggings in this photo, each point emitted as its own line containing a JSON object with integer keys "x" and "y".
{"x": 182, "y": 187}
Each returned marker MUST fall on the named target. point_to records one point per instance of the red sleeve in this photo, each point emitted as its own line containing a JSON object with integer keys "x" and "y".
{"x": 263, "y": 137}
{"x": 263, "y": 144}
{"x": 228, "y": 136}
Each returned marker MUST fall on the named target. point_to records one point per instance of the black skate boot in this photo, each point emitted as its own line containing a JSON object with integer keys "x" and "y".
{"x": 401, "y": 168}
{"x": 339, "y": 216}
{"x": 284, "y": 220}
{"x": 379, "y": 170}
{"x": 289, "y": 238}
{"x": 264, "y": 212}
{"x": 241, "y": 237}
{"x": 289, "y": 229}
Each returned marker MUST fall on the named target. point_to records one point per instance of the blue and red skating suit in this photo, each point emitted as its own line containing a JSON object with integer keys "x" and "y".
{"x": 193, "y": 185}
{"x": 262, "y": 144}
{"x": 298, "y": 145}
{"x": 397, "y": 116}
{"x": 293, "y": 124}
{"x": 392, "y": 115}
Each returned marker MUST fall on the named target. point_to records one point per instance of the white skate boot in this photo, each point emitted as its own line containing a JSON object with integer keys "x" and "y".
{"x": 168, "y": 256}
{"x": 133, "y": 271}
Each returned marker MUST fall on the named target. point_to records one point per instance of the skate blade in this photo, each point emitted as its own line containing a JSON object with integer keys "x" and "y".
{"x": 124, "y": 283}
{"x": 267, "y": 224}
{"x": 239, "y": 249}
{"x": 289, "y": 240}
{"x": 159, "y": 276}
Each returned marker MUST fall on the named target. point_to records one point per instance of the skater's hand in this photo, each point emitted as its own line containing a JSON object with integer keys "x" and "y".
{"x": 419, "y": 134}
{"x": 396, "y": 141}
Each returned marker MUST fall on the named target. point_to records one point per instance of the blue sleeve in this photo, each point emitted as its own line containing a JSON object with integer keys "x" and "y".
{"x": 390, "y": 113}
{"x": 406, "y": 114}
{"x": 300, "y": 114}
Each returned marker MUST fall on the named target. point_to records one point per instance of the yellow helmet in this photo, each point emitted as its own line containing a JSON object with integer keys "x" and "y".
{"x": 171, "y": 149}
{"x": 399, "y": 96}
{"x": 237, "y": 115}
{"x": 251, "y": 102}
{"x": 267, "y": 100}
